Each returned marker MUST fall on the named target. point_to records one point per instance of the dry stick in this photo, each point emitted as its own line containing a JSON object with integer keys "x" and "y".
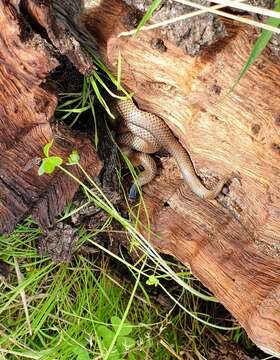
{"x": 245, "y": 7}
{"x": 204, "y": 9}
{"x": 231, "y": 16}
{"x": 170, "y": 350}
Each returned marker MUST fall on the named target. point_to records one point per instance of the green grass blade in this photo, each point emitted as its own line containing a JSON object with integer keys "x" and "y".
{"x": 148, "y": 14}
{"x": 260, "y": 44}
{"x": 121, "y": 324}
{"x": 99, "y": 96}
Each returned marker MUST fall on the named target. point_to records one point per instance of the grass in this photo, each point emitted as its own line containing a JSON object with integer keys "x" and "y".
{"x": 68, "y": 303}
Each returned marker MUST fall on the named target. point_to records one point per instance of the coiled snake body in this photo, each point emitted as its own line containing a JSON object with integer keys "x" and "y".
{"x": 147, "y": 133}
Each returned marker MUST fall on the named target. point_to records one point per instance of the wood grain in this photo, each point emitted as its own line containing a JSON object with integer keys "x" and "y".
{"x": 27, "y": 105}
{"x": 233, "y": 244}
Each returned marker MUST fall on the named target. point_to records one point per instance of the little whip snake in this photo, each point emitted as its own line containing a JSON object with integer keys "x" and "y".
{"x": 147, "y": 133}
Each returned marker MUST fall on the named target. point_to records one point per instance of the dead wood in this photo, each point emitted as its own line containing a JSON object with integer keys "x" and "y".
{"x": 27, "y": 104}
{"x": 229, "y": 351}
{"x": 191, "y": 34}
{"x": 232, "y": 245}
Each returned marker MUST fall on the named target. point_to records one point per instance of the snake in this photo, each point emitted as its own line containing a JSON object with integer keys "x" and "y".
{"x": 144, "y": 133}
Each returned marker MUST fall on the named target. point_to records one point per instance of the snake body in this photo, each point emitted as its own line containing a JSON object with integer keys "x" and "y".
{"x": 147, "y": 133}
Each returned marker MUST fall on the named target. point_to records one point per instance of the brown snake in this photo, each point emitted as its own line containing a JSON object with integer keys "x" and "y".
{"x": 147, "y": 133}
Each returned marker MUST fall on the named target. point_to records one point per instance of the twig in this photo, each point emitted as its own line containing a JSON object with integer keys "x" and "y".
{"x": 203, "y": 9}
{"x": 245, "y": 7}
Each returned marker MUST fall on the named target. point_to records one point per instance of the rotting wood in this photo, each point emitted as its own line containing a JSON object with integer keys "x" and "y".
{"x": 232, "y": 245}
{"x": 192, "y": 34}
{"x": 27, "y": 104}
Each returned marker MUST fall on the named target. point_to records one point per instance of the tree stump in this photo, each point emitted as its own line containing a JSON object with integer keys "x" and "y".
{"x": 231, "y": 244}
{"x": 27, "y": 105}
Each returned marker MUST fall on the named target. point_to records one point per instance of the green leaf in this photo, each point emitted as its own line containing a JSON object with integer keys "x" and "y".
{"x": 114, "y": 355}
{"x": 49, "y": 164}
{"x": 56, "y": 160}
{"x": 260, "y": 44}
{"x": 126, "y": 328}
{"x": 124, "y": 343}
{"x": 82, "y": 354}
{"x": 148, "y": 14}
{"x": 152, "y": 280}
{"x": 106, "y": 335}
{"x": 47, "y": 148}
{"x": 73, "y": 158}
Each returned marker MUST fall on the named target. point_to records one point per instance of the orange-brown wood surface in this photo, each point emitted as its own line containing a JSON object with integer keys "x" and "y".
{"x": 232, "y": 244}
{"x": 27, "y": 105}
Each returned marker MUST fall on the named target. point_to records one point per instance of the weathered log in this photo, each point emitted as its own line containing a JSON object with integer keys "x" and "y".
{"x": 232, "y": 245}
{"x": 192, "y": 34}
{"x": 27, "y": 104}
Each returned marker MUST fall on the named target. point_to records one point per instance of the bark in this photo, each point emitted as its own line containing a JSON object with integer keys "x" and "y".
{"x": 191, "y": 34}
{"x": 27, "y": 104}
{"x": 232, "y": 244}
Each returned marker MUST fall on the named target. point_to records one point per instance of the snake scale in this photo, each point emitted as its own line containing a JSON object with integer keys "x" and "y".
{"x": 146, "y": 133}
